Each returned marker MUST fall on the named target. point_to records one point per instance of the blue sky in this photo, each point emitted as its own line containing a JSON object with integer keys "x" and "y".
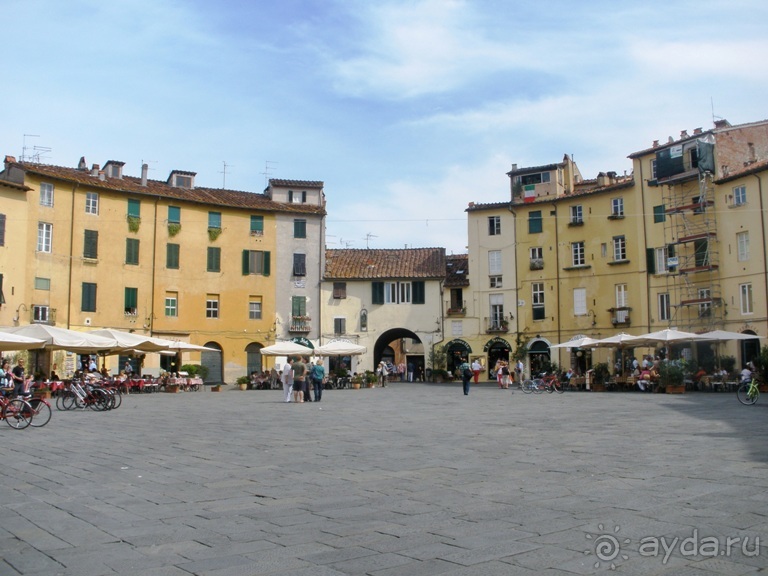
{"x": 407, "y": 110}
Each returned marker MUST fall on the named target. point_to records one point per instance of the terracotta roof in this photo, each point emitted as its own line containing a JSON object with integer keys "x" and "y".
{"x": 15, "y": 185}
{"x": 456, "y": 270}
{"x": 474, "y": 206}
{"x": 403, "y": 263}
{"x": 749, "y": 169}
{"x": 200, "y": 195}
{"x": 297, "y": 183}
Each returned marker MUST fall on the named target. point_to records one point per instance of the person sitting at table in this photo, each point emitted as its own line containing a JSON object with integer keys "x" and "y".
{"x": 54, "y": 377}
{"x": 644, "y": 380}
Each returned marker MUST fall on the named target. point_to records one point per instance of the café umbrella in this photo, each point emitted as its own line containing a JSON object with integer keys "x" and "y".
{"x": 286, "y": 348}
{"x": 63, "y": 339}
{"x": 13, "y": 342}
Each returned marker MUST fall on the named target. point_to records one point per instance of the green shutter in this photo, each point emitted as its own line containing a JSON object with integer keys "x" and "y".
{"x": 134, "y": 208}
{"x": 131, "y": 298}
{"x": 265, "y": 271}
{"x": 246, "y": 262}
{"x": 172, "y": 256}
{"x": 377, "y": 292}
{"x": 174, "y": 215}
{"x": 257, "y": 223}
{"x": 131, "y": 251}
{"x": 670, "y": 250}
{"x": 89, "y": 297}
{"x": 419, "y": 295}
{"x": 91, "y": 244}
{"x": 650, "y": 260}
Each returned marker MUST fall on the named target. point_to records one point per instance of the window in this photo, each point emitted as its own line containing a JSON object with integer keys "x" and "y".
{"x": 705, "y": 308}
{"x": 579, "y": 301}
{"x": 172, "y": 304}
{"x": 739, "y": 195}
{"x": 299, "y": 307}
{"x": 494, "y": 262}
{"x": 745, "y": 296}
{"x": 299, "y": 264}
{"x": 619, "y": 248}
{"x": 42, "y": 283}
{"x": 256, "y": 262}
{"x": 254, "y": 308}
{"x": 132, "y": 251}
{"x": 339, "y": 290}
{"x": 297, "y": 197}
{"x": 46, "y": 194}
{"x": 577, "y": 215}
{"x": 88, "y": 302}
{"x": 700, "y": 204}
{"x": 537, "y": 258}
{"x": 212, "y": 306}
{"x": 617, "y": 207}
{"x": 742, "y": 246}
{"x": 539, "y": 178}
{"x": 172, "y": 256}
{"x": 299, "y": 228}
{"x": 214, "y": 220}
{"x": 494, "y": 225}
{"x": 660, "y": 259}
{"x": 257, "y": 225}
{"x": 537, "y": 298}
{"x": 659, "y": 214}
{"x": 339, "y": 325}
{"x": 398, "y": 292}
{"x": 174, "y": 215}
{"x": 2, "y": 229}
{"x": 457, "y": 300}
{"x": 457, "y": 328}
{"x": 653, "y": 169}
{"x": 213, "y": 259}
{"x": 664, "y": 306}
{"x": 577, "y": 254}
{"x": 44, "y": 236}
{"x": 134, "y": 208}
{"x": 131, "y": 301}
{"x": 701, "y": 252}
{"x": 495, "y": 281}
{"x": 91, "y": 203}
{"x": 40, "y": 314}
{"x": 535, "y": 224}
{"x": 91, "y": 244}
{"x": 496, "y": 302}
{"x": 621, "y": 302}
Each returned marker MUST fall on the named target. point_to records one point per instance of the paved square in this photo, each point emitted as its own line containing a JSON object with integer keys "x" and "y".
{"x": 413, "y": 479}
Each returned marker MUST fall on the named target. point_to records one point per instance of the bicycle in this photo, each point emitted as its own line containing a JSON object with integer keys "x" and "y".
{"x": 748, "y": 393}
{"x": 16, "y": 412}
{"x": 543, "y": 383}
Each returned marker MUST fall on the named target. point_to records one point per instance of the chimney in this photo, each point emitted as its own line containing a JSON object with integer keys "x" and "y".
{"x": 95, "y": 170}
{"x": 683, "y": 134}
{"x": 9, "y": 160}
{"x": 144, "y": 170}
{"x": 655, "y": 143}
{"x": 82, "y": 165}
{"x": 696, "y": 131}
{"x": 514, "y": 167}
{"x": 102, "y": 176}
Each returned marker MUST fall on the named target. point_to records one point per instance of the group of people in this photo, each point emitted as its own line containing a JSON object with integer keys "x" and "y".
{"x": 13, "y": 380}
{"x": 301, "y": 378}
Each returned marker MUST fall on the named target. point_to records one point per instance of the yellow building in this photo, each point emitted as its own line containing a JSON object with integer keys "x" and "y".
{"x": 166, "y": 258}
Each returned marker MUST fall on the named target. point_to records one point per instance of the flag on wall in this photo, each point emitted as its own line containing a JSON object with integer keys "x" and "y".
{"x": 529, "y": 193}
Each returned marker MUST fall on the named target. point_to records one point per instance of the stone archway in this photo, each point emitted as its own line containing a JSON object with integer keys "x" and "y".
{"x": 253, "y": 358}
{"x": 403, "y": 346}
{"x": 457, "y": 351}
{"x": 212, "y": 359}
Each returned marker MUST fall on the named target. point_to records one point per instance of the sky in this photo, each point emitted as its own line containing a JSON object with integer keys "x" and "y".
{"x": 407, "y": 110}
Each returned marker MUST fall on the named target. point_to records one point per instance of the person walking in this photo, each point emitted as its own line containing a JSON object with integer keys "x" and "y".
{"x": 410, "y": 371}
{"x": 383, "y": 373}
{"x": 466, "y": 375}
{"x": 286, "y": 377}
{"x": 476, "y": 368}
{"x": 318, "y": 375}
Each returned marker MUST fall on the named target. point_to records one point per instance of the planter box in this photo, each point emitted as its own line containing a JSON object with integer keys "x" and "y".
{"x": 215, "y": 388}
{"x": 597, "y": 387}
{"x": 172, "y": 388}
{"x": 675, "y": 389}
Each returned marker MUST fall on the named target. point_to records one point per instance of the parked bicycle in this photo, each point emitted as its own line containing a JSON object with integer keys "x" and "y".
{"x": 16, "y": 412}
{"x": 544, "y": 383}
{"x": 748, "y": 393}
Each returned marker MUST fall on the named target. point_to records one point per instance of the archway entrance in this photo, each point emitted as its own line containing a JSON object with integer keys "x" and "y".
{"x": 538, "y": 356}
{"x": 213, "y": 361}
{"x": 253, "y": 358}
{"x": 497, "y": 349}
{"x": 457, "y": 352}
{"x": 401, "y": 347}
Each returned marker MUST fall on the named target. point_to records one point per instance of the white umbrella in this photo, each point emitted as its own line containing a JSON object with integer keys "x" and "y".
{"x": 187, "y": 347}
{"x": 725, "y": 335}
{"x": 15, "y": 342}
{"x": 63, "y": 339}
{"x": 339, "y": 348}
{"x": 130, "y": 341}
{"x": 286, "y": 348}
{"x": 619, "y": 341}
{"x": 669, "y": 335}
{"x": 583, "y": 342}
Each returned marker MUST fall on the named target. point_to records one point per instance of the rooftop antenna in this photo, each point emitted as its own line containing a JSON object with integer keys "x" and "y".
{"x": 224, "y": 172}
{"x": 712, "y": 105}
{"x": 24, "y": 157}
{"x": 368, "y": 237}
{"x": 268, "y": 165}
{"x": 37, "y": 151}
{"x": 345, "y": 243}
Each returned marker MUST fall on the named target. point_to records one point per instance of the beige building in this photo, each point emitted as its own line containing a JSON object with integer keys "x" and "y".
{"x": 98, "y": 248}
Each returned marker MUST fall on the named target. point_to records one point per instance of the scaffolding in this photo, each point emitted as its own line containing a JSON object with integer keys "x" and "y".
{"x": 690, "y": 234}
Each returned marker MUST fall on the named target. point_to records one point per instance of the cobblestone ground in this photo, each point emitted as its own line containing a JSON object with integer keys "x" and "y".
{"x": 412, "y": 479}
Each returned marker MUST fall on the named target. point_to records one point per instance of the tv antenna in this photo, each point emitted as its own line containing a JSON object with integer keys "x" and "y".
{"x": 38, "y": 152}
{"x": 268, "y": 166}
{"x": 224, "y": 172}
{"x": 345, "y": 243}
{"x": 368, "y": 237}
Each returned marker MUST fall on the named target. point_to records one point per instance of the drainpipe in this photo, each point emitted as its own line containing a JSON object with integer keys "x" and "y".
{"x": 762, "y": 228}
{"x": 71, "y": 255}
{"x": 557, "y": 273}
{"x": 648, "y": 296}
{"x": 517, "y": 277}
{"x": 154, "y": 268}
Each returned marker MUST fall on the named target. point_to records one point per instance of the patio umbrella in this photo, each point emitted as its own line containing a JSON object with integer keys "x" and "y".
{"x": 669, "y": 336}
{"x": 583, "y": 342}
{"x": 620, "y": 341}
{"x": 130, "y": 341}
{"x": 339, "y": 348}
{"x": 187, "y": 347}
{"x": 63, "y": 339}
{"x": 725, "y": 335}
{"x": 13, "y": 342}
{"x": 286, "y": 349}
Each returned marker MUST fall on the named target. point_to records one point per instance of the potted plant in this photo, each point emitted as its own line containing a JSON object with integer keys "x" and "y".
{"x": 243, "y": 382}
{"x": 600, "y": 374}
{"x": 370, "y": 379}
{"x": 357, "y": 381}
{"x": 672, "y": 377}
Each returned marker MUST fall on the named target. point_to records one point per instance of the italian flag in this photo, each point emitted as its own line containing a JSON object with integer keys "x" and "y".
{"x": 529, "y": 193}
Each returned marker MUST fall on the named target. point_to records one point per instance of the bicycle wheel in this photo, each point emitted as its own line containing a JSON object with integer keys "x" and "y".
{"x": 117, "y": 397}
{"x": 549, "y": 386}
{"x": 744, "y": 396}
{"x": 538, "y": 386}
{"x": 17, "y": 413}
{"x": 41, "y": 412}
{"x": 527, "y": 386}
{"x": 557, "y": 386}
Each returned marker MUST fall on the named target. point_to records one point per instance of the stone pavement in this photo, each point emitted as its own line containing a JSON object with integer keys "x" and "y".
{"x": 413, "y": 479}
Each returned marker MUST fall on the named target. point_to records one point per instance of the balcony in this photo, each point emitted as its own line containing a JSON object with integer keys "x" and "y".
{"x": 620, "y": 316}
{"x": 456, "y": 311}
{"x": 497, "y": 326}
{"x": 300, "y": 324}
{"x": 537, "y": 263}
